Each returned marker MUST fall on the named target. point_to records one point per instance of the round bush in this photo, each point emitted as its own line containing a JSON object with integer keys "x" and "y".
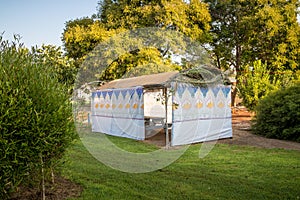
{"x": 35, "y": 117}
{"x": 278, "y": 115}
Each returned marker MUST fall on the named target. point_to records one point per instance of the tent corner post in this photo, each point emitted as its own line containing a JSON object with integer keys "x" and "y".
{"x": 165, "y": 92}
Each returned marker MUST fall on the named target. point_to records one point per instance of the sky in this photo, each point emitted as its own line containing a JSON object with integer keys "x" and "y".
{"x": 41, "y": 21}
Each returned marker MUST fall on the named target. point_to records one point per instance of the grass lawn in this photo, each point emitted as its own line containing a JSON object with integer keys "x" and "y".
{"x": 227, "y": 172}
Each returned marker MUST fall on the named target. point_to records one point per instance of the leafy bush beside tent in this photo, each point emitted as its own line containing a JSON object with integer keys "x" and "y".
{"x": 278, "y": 114}
{"x": 35, "y": 118}
{"x": 258, "y": 81}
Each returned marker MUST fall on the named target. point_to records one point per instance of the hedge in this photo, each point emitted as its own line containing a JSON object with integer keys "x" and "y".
{"x": 36, "y": 123}
{"x": 278, "y": 114}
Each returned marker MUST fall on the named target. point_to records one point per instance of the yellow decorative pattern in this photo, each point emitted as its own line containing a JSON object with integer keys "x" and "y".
{"x": 127, "y": 106}
{"x": 135, "y": 106}
{"x": 221, "y": 104}
{"x": 142, "y": 106}
{"x": 101, "y": 105}
{"x": 114, "y": 106}
{"x": 187, "y": 106}
{"x": 107, "y": 106}
{"x": 199, "y": 105}
{"x": 210, "y": 105}
{"x": 120, "y": 106}
{"x": 96, "y": 106}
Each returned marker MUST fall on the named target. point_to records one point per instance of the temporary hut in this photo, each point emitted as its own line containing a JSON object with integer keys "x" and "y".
{"x": 194, "y": 105}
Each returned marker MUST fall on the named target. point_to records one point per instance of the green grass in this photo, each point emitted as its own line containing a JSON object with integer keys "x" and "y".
{"x": 227, "y": 172}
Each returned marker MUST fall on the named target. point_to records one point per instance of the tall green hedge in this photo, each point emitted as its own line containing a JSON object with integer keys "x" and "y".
{"x": 278, "y": 114}
{"x": 36, "y": 123}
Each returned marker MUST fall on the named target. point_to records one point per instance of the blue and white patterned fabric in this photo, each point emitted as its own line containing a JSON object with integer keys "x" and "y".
{"x": 200, "y": 114}
{"x": 119, "y": 112}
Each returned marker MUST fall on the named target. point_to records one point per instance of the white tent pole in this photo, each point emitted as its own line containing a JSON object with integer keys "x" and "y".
{"x": 166, "y": 118}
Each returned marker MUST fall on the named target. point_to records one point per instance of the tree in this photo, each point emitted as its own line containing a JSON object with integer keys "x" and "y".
{"x": 257, "y": 82}
{"x": 245, "y": 31}
{"x": 276, "y": 34}
{"x": 140, "y": 62}
{"x": 62, "y": 67}
{"x": 141, "y": 51}
{"x": 81, "y": 36}
{"x": 189, "y": 17}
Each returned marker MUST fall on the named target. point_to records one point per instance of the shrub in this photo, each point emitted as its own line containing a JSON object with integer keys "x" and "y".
{"x": 62, "y": 66}
{"x": 278, "y": 114}
{"x": 35, "y": 117}
{"x": 258, "y": 81}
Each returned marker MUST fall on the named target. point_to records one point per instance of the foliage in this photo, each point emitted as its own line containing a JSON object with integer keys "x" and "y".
{"x": 35, "y": 117}
{"x": 190, "y": 18}
{"x": 140, "y": 62}
{"x": 244, "y": 31}
{"x": 278, "y": 114}
{"x": 250, "y": 173}
{"x": 258, "y": 81}
{"x": 82, "y": 22}
{"x": 228, "y": 31}
{"x": 81, "y": 36}
{"x": 52, "y": 57}
{"x": 139, "y": 52}
{"x": 202, "y": 76}
{"x": 275, "y": 34}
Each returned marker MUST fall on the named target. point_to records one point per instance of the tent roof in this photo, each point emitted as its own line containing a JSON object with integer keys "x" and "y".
{"x": 147, "y": 81}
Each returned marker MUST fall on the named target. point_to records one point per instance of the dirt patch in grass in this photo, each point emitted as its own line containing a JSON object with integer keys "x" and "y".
{"x": 61, "y": 189}
{"x": 242, "y": 134}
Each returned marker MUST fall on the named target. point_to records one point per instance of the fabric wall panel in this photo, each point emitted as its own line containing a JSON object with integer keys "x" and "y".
{"x": 202, "y": 114}
{"x": 121, "y": 113}
{"x": 199, "y": 114}
{"x": 101, "y": 110}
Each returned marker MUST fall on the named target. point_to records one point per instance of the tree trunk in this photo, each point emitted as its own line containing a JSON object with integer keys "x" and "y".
{"x": 52, "y": 176}
{"x": 43, "y": 180}
{"x": 238, "y": 73}
{"x": 234, "y": 94}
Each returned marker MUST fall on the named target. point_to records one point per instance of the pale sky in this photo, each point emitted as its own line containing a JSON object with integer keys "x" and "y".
{"x": 41, "y": 21}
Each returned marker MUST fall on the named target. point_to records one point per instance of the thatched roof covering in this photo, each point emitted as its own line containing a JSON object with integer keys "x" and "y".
{"x": 197, "y": 76}
{"x": 152, "y": 80}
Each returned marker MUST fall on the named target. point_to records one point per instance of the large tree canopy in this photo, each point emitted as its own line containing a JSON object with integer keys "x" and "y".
{"x": 275, "y": 37}
{"x": 81, "y": 36}
{"x": 245, "y": 31}
{"x": 189, "y": 17}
